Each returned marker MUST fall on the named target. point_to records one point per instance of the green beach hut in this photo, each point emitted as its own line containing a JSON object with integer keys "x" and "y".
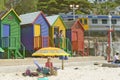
{"x": 10, "y": 34}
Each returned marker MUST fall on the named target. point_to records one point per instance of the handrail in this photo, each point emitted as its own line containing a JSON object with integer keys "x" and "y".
{"x": 51, "y": 42}
{"x": 13, "y": 43}
{"x": 68, "y": 44}
{"x": 23, "y": 49}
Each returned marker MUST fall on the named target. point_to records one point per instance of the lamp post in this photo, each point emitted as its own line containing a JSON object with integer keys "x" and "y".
{"x": 74, "y": 7}
{"x": 109, "y": 38}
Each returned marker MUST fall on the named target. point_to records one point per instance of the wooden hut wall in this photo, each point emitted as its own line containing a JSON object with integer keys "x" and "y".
{"x": 44, "y": 26}
{"x": 13, "y": 23}
{"x": 68, "y": 34}
{"x": 44, "y": 29}
{"x": 27, "y": 36}
{"x": 80, "y": 39}
{"x": 77, "y": 37}
{"x": 59, "y": 23}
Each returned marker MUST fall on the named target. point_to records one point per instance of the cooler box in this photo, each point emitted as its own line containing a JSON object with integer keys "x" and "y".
{"x": 44, "y": 78}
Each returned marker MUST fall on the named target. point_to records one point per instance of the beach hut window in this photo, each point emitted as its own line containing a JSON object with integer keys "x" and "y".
{"x": 114, "y": 21}
{"x": 94, "y": 21}
{"x": 5, "y": 35}
{"x": 6, "y": 30}
{"x": 36, "y": 30}
{"x": 104, "y": 21}
{"x": 85, "y": 21}
{"x": 56, "y": 29}
{"x": 81, "y": 20}
{"x": 56, "y": 32}
{"x": 10, "y": 17}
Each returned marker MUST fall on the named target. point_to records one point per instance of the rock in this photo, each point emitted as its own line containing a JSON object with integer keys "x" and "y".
{"x": 110, "y": 65}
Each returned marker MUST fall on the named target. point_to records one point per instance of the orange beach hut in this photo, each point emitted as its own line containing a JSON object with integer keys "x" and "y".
{"x": 75, "y": 32}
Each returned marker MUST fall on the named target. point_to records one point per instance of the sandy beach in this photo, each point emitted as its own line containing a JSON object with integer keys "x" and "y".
{"x": 75, "y": 68}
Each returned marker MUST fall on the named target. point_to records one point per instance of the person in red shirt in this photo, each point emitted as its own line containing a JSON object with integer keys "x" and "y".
{"x": 49, "y": 64}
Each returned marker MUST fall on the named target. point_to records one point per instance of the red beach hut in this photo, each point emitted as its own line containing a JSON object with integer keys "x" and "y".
{"x": 77, "y": 34}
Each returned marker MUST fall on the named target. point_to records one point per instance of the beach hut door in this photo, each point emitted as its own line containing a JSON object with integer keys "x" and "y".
{"x": 5, "y": 35}
{"x": 37, "y": 36}
{"x": 75, "y": 40}
{"x": 56, "y": 32}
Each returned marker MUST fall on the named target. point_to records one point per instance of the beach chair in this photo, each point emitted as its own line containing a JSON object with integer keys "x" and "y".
{"x": 41, "y": 69}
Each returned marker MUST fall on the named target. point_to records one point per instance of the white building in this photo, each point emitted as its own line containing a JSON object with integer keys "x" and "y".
{"x": 99, "y": 1}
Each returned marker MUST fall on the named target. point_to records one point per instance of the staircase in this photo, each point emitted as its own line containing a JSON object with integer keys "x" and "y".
{"x": 14, "y": 48}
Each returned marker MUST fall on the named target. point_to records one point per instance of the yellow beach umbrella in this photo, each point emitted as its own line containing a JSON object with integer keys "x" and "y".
{"x": 51, "y": 51}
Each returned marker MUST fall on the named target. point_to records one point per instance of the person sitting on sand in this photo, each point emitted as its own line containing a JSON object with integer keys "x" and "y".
{"x": 116, "y": 58}
{"x": 49, "y": 65}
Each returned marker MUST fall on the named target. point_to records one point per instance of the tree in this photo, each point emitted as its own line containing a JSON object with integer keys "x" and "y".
{"x": 62, "y": 6}
{"x": 26, "y": 6}
{"x": 103, "y": 8}
{"x": 117, "y": 1}
{"x": 2, "y": 5}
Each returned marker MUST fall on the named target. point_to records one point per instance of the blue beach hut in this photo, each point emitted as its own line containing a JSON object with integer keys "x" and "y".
{"x": 34, "y": 30}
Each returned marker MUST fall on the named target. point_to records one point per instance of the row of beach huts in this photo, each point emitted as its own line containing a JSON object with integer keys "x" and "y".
{"x": 22, "y": 35}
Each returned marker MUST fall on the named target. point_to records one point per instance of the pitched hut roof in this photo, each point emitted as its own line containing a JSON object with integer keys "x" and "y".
{"x": 52, "y": 19}
{"x": 72, "y": 23}
{"x": 69, "y": 24}
{"x": 5, "y": 13}
{"x": 77, "y": 22}
{"x": 29, "y": 17}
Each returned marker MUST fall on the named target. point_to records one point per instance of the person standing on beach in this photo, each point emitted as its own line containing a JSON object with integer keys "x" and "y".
{"x": 108, "y": 50}
{"x": 56, "y": 39}
{"x": 61, "y": 38}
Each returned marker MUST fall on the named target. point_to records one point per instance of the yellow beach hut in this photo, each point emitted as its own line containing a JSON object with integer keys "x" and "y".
{"x": 84, "y": 21}
{"x": 57, "y": 26}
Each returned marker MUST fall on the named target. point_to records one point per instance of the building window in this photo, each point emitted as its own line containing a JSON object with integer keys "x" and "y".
{"x": 85, "y": 21}
{"x": 94, "y": 21}
{"x": 114, "y": 21}
{"x": 81, "y": 21}
{"x": 104, "y": 21}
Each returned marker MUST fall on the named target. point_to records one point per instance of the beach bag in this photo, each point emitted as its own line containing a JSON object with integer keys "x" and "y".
{"x": 28, "y": 72}
{"x": 34, "y": 74}
{"x": 53, "y": 72}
